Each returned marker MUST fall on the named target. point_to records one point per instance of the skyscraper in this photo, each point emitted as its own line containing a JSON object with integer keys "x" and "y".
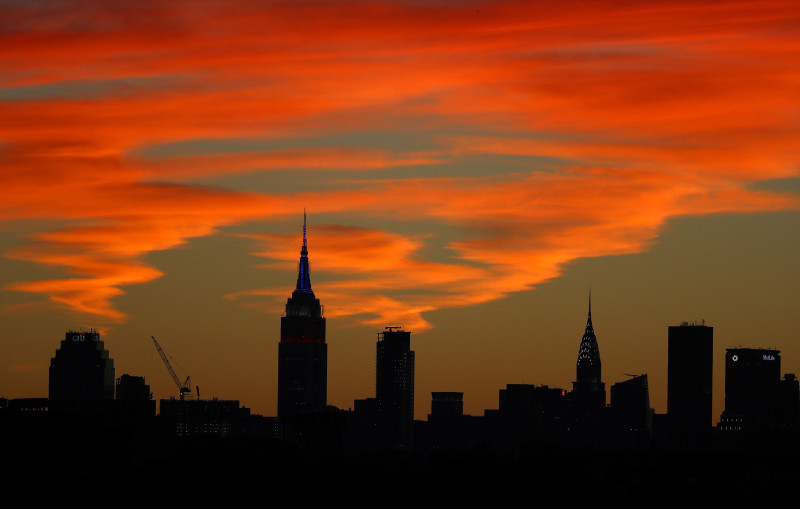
{"x": 752, "y": 388}
{"x": 81, "y": 372}
{"x": 630, "y": 404}
{"x": 394, "y": 387}
{"x": 588, "y": 390}
{"x": 690, "y": 353}
{"x": 302, "y": 351}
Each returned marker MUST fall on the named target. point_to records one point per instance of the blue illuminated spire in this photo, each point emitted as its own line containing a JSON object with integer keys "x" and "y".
{"x": 303, "y": 278}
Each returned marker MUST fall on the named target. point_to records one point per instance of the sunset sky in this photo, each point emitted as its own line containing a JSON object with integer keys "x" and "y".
{"x": 470, "y": 171}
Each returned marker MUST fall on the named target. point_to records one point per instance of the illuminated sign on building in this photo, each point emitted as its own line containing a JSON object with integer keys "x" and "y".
{"x": 767, "y": 357}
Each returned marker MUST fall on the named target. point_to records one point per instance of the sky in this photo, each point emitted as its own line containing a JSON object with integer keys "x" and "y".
{"x": 470, "y": 171}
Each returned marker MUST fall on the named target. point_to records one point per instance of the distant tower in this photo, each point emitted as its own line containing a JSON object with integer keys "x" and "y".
{"x": 690, "y": 353}
{"x": 394, "y": 387}
{"x": 81, "y": 372}
{"x": 302, "y": 351}
{"x": 752, "y": 389}
{"x": 588, "y": 390}
{"x": 630, "y": 403}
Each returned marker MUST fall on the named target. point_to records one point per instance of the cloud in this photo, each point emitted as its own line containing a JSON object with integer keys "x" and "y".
{"x": 542, "y": 223}
{"x": 544, "y": 132}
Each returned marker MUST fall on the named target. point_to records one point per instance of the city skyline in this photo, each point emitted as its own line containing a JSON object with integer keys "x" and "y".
{"x": 470, "y": 171}
{"x": 308, "y": 335}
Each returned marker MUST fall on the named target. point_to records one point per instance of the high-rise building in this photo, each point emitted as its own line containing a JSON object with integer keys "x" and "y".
{"x": 630, "y": 404}
{"x": 81, "y": 372}
{"x": 302, "y": 351}
{"x": 588, "y": 390}
{"x": 690, "y": 353}
{"x": 394, "y": 387}
{"x": 752, "y": 382}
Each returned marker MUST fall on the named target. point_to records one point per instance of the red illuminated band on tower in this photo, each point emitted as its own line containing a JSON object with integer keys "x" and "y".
{"x": 302, "y": 351}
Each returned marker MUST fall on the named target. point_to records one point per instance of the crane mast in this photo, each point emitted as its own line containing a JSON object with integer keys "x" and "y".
{"x": 185, "y": 387}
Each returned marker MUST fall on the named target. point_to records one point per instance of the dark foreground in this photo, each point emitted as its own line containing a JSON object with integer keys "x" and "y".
{"x": 84, "y": 465}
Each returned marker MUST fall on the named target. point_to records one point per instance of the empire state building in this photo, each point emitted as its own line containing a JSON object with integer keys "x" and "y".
{"x": 302, "y": 351}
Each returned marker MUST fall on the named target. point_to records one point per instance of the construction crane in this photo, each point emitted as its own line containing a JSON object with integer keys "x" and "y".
{"x": 185, "y": 387}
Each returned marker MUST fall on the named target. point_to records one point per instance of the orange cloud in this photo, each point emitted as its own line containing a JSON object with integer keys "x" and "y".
{"x": 91, "y": 294}
{"x": 533, "y": 133}
{"x": 542, "y": 223}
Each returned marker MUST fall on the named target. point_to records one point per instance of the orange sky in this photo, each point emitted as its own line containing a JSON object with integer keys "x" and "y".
{"x": 451, "y": 155}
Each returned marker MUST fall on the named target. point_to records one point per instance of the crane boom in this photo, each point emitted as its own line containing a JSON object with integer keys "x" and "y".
{"x": 183, "y": 388}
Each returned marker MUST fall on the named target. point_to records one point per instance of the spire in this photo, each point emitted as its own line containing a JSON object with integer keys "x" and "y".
{"x": 589, "y": 319}
{"x": 589, "y": 353}
{"x": 303, "y": 278}
{"x": 305, "y": 246}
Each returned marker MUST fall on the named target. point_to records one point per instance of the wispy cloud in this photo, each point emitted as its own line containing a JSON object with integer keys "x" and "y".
{"x": 584, "y": 127}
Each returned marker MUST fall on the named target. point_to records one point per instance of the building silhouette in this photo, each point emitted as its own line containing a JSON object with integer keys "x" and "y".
{"x": 789, "y": 404}
{"x": 447, "y": 404}
{"x": 630, "y": 404}
{"x": 530, "y": 413}
{"x": 588, "y": 389}
{"x": 361, "y": 431}
{"x": 449, "y": 429}
{"x": 631, "y": 415}
{"x": 81, "y": 373}
{"x": 302, "y": 351}
{"x": 133, "y": 388}
{"x": 752, "y": 390}
{"x": 690, "y": 353}
{"x": 203, "y": 417}
{"x": 134, "y": 399}
{"x": 394, "y": 388}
